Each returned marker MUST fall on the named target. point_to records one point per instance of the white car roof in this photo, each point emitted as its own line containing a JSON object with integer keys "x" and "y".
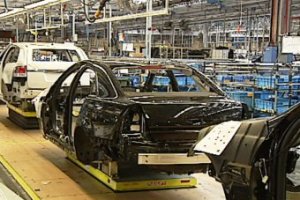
{"x": 45, "y": 45}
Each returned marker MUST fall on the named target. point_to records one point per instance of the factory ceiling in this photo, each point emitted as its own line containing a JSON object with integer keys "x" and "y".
{"x": 193, "y": 13}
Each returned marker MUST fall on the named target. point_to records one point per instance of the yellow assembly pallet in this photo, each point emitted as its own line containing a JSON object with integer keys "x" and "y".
{"x": 157, "y": 182}
{"x": 21, "y": 112}
{"x": 24, "y": 119}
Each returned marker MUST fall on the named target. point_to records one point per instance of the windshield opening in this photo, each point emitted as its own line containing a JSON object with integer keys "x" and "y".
{"x": 55, "y": 55}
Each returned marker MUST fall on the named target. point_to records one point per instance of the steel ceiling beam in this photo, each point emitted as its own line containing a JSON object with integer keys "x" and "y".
{"x": 160, "y": 12}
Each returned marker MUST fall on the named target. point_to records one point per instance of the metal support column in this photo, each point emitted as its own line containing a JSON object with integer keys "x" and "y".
{"x": 224, "y": 30}
{"x": 274, "y": 22}
{"x": 247, "y": 31}
{"x": 74, "y": 38}
{"x": 284, "y": 23}
{"x": 182, "y": 43}
{"x": 87, "y": 32}
{"x": 217, "y": 35}
{"x": 173, "y": 42}
{"x": 28, "y": 21}
{"x": 110, "y": 33}
{"x": 251, "y": 31}
{"x": 263, "y": 35}
{"x": 62, "y": 21}
{"x": 149, "y": 30}
{"x": 17, "y": 33}
{"x": 205, "y": 35}
{"x": 45, "y": 19}
{"x": 17, "y": 29}
{"x": 36, "y": 31}
{"x": 50, "y": 19}
{"x": 256, "y": 32}
{"x": 285, "y": 16}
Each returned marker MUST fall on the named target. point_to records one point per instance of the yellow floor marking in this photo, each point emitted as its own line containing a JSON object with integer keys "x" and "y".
{"x": 19, "y": 179}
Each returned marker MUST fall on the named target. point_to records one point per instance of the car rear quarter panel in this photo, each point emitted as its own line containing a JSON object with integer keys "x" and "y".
{"x": 102, "y": 117}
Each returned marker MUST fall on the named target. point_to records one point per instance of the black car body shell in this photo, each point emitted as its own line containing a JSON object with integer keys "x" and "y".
{"x": 169, "y": 123}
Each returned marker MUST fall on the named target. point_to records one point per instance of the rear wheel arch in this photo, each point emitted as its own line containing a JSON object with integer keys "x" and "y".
{"x": 83, "y": 145}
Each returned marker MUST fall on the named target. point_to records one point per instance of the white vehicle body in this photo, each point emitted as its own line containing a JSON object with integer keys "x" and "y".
{"x": 29, "y": 68}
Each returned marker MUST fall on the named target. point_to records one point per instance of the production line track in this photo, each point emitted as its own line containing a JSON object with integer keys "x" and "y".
{"x": 49, "y": 175}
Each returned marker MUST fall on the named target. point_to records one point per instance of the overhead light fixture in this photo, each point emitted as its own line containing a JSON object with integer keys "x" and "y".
{"x": 43, "y": 3}
{"x": 139, "y": 1}
{"x": 12, "y": 12}
{"x": 38, "y": 4}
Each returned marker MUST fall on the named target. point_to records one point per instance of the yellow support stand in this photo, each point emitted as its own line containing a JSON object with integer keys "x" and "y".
{"x": 24, "y": 119}
{"x": 149, "y": 183}
{"x": 21, "y": 112}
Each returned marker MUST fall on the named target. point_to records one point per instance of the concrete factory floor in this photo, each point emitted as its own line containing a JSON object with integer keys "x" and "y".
{"x": 45, "y": 168}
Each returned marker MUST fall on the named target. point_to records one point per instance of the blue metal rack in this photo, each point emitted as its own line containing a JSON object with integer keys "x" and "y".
{"x": 265, "y": 88}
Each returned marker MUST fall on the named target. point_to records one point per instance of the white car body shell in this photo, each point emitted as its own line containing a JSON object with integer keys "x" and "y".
{"x": 40, "y": 75}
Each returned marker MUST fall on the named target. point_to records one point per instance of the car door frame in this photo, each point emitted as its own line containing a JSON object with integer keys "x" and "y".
{"x": 5, "y": 53}
{"x": 10, "y": 66}
{"x": 69, "y": 100}
{"x": 95, "y": 67}
{"x": 50, "y": 99}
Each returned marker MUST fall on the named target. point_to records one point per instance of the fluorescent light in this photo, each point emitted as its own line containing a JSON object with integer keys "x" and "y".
{"x": 12, "y": 12}
{"x": 41, "y": 3}
{"x": 38, "y": 5}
